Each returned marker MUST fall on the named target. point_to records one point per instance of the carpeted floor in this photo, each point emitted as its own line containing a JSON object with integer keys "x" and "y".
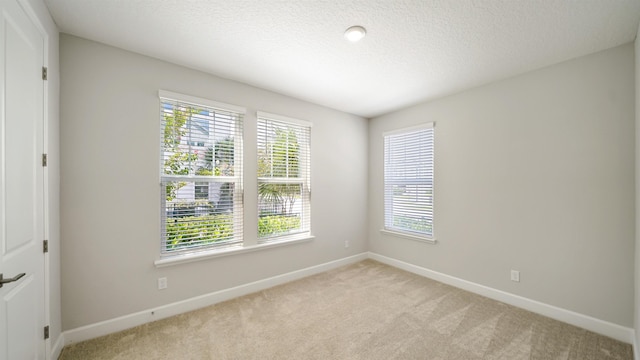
{"x": 367, "y": 310}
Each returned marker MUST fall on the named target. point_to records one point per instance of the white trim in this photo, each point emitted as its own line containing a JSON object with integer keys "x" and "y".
{"x": 226, "y": 251}
{"x": 275, "y": 180}
{"x": 193, "y": 178}
{"x": 606, "y": 328}
{"x": 194, "y": 100}
{"x": 423, "y": 239}
{"x": 276, "y": 117}
{"x": 33, "y": 17}
{"x": 56, "y": 350}
{"x": 128, "y": 321}
{"x": 636, "y": 353}
{"x": 87, "y": 332}
{"x": 428, "y": 125}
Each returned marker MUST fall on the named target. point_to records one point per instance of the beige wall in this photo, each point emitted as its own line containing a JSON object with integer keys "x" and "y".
{"x": 534, "y": 173}
{"x": 111, "y": 195}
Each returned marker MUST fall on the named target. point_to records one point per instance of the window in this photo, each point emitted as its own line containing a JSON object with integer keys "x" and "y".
{"x": 408, "y": 181}
{"x": 202, "y": 190}
{"x": 283, "y": 177}
{"x": 200, "y": 174}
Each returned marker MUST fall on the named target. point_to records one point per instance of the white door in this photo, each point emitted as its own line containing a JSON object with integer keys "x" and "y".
{"x": 21, "y": 185}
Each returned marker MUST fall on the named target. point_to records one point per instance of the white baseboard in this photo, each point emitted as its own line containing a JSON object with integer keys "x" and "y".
{"x": 56, "y": 350}
{"x": 91, "y": 331}
{"x": 128, "y": 321}
{"x": 611, "y": 330}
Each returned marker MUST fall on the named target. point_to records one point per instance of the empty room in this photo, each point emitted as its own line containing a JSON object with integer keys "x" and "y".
{"x": 280, "y": 179}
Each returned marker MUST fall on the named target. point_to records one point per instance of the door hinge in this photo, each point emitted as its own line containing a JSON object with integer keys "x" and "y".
{"x": 46, "y": 332}
{"x": 45, "y": 246}
{"x": 44, "y": 159}
{"x": 44, "y": 73}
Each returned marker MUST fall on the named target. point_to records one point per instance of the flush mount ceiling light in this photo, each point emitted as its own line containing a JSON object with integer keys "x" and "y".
{"x": 355, "y": 33}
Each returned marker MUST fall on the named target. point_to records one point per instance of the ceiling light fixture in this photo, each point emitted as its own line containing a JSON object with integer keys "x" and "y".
{"x": 355, "y": 33}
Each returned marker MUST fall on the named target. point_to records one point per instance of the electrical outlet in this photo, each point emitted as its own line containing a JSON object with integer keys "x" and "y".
{"x": 515, "y": 275}
{"x": 162, "y": 283}
{"x": 346, "y": 243}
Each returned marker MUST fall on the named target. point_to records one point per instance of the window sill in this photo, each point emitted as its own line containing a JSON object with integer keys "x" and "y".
{"x": 410, "y": 237}
{"x": 227, "y": 251}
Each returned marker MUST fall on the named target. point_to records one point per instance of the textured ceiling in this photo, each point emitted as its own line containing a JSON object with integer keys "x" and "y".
{"x": 413, "y": 51}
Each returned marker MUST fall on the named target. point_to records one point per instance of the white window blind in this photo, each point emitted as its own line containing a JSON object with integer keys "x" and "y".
{"x": 284, "y": 173}
{"x": 200, "y": 174}
{"x": 408, "y": 181}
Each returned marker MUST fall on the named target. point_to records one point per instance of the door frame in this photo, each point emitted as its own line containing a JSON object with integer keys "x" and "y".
{"x": 31, "y": 13}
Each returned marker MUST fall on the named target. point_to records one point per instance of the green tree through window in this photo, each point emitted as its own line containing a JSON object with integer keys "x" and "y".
{"x": 283, "y": 178}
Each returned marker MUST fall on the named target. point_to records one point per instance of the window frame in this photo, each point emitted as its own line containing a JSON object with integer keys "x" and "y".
{"x": 422, "y": 182}
{"x": 304, "y": 180}
{"x": 237, "y": 214}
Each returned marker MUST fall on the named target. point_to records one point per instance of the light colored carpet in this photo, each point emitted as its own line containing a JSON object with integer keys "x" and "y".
{"x": 366, "y": 310}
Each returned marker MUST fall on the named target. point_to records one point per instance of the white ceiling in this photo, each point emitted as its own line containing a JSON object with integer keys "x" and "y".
{"x": 414, "y": 50}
